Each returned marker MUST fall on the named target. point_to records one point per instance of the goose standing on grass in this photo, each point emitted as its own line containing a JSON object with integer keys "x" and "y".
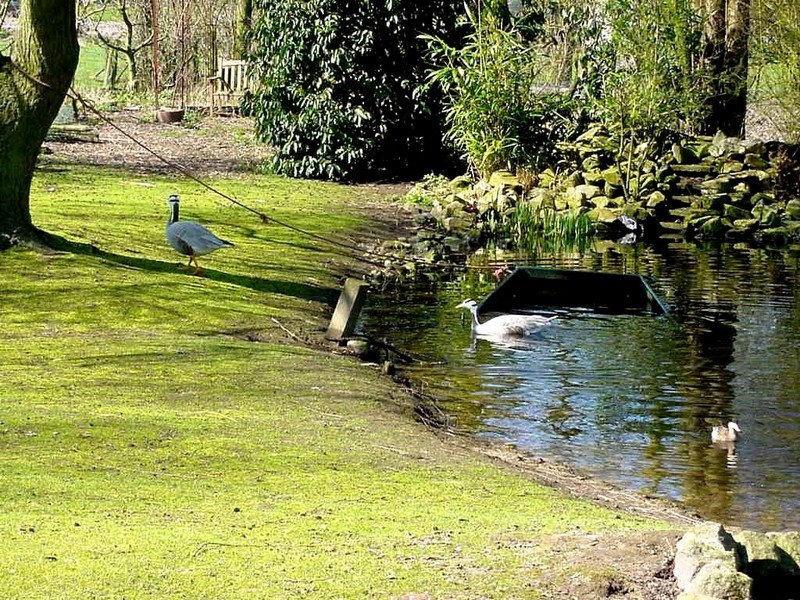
{"x": 189, "y": 237}
{"x": 725, "y": 433}
{"x": 504, "y": 325}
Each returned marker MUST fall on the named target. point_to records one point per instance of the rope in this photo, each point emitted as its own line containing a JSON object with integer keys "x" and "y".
{"x": 353, "y": 249}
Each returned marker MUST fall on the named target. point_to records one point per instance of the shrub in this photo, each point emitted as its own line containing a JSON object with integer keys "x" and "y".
{"x": 498, "y": 115}
{"x": 337, "y": 86}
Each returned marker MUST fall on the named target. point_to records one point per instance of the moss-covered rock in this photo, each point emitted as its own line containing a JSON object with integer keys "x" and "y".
{"x": 719, "y": 580}
{"x": 504, "y": 178}
{"x": 755, "y": 161}
{"x": 705, "y": 543}
{"x": 604, "y": 216}
{"x": 734, "y": 212}
{"x": 767, "y": 216}
{"x": 777, "y": 236}
{"x": 711, "y": 202}
{"x": 717, "y": 185}
{"x": 731, "y": 166}
{"x": 792, "y": 210}
{"x": 594, "y": 178}
{"x": 461, "y": 183}
{"x": 683, "y": 155}
{"x": 587, "y": 191}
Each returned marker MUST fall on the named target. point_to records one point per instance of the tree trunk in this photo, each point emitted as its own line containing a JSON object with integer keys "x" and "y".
{"x": 244, "y": 22}
{"x": 725, "y": 58}
{"x": 111, "y": 70}
{"x": 736, "y": 62}
{"x": 33, "y": 84}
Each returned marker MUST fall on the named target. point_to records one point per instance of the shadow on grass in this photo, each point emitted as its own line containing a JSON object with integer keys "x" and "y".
{"x": 287, "y": 288}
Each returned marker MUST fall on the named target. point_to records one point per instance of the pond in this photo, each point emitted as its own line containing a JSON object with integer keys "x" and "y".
{"x": 632, "y": 399}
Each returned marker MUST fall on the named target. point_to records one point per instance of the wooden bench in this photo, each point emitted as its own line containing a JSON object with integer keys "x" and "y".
{"x": 228, "y": 86}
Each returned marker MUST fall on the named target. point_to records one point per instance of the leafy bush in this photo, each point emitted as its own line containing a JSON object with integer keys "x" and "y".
{"x": 648, "y": 79}
{"x": 775, "y": 40}
{"x": 337, "y": 86}
{"x": 498, "y": 114}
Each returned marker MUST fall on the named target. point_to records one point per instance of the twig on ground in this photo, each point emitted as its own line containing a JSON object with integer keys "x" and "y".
{"x": 285, "y": 330}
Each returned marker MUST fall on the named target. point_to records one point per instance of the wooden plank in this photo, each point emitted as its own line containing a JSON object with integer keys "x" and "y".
{"x": 351, "y": 301}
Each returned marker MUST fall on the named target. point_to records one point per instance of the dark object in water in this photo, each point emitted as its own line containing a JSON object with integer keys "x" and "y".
{"x": 542, "y": 287}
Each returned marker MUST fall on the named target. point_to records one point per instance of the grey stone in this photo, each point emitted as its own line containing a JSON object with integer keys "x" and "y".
{"x": 699, "y": 546}
{"x": 718, "y": 579}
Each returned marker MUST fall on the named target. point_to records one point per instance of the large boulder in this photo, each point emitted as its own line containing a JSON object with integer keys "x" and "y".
{"x": 719, "y": 579}
{"x": 771, "y": 560}
{"x": 702, "y": 545}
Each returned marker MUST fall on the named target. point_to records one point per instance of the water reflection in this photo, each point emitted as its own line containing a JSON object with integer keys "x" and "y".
{"x": 632, "y": 399}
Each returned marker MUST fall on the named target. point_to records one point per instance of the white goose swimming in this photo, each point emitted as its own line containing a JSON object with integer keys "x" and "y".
{"x": 504, "y": 325}
{"x": 725, "y": 433}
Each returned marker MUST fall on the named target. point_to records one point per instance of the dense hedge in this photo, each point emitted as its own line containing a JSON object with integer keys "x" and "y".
{"x": 338, "y": 81}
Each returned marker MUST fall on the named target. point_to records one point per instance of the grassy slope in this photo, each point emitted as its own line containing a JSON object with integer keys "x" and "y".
{"x": 148, "y": 452}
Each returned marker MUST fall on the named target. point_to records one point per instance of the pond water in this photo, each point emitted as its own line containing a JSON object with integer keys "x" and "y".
{"x": 632, "y": 399}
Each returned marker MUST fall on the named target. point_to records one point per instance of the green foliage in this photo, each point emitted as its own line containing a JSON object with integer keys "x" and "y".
{"x": 532, "y": 228}
{"x": 645, "y": 81}
{"x": 775, "y": 41}
{"x": 337, "y": 86}
{"x": 497, "y": 113}
{"x": 429, "y": 189}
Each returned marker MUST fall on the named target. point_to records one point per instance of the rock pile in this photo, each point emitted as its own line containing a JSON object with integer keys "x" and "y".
{"x": 712, "y": 564}
{"x": 704, "y": 188}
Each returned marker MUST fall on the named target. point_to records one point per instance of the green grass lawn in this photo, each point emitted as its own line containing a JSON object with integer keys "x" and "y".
{"x": 89, "y": 74}
{"x": 150, "y": 451}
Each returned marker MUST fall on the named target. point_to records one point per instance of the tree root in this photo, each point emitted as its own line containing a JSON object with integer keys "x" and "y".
{"x": 40, "y": 241}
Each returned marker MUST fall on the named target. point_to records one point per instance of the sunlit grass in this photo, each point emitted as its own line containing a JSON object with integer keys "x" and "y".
{"x": 89, "y": 74}
{"x": 150, "y": 451}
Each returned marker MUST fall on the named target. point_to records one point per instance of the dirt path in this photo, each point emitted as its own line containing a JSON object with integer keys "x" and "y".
{"x": 211, "y": 147}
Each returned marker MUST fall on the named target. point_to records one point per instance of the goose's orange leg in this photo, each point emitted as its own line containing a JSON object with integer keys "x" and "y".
{"x": 198, "y": 269}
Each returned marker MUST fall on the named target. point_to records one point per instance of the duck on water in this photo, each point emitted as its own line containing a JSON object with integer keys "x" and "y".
{"x": 726, "y": 433}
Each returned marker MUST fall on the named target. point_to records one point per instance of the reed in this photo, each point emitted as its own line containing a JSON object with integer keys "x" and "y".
{"x": 530, "y": 227}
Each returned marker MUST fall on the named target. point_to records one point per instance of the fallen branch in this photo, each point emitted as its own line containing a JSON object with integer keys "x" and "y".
{"x": 285, "y": 330}
{"x": 202, "y": 547}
